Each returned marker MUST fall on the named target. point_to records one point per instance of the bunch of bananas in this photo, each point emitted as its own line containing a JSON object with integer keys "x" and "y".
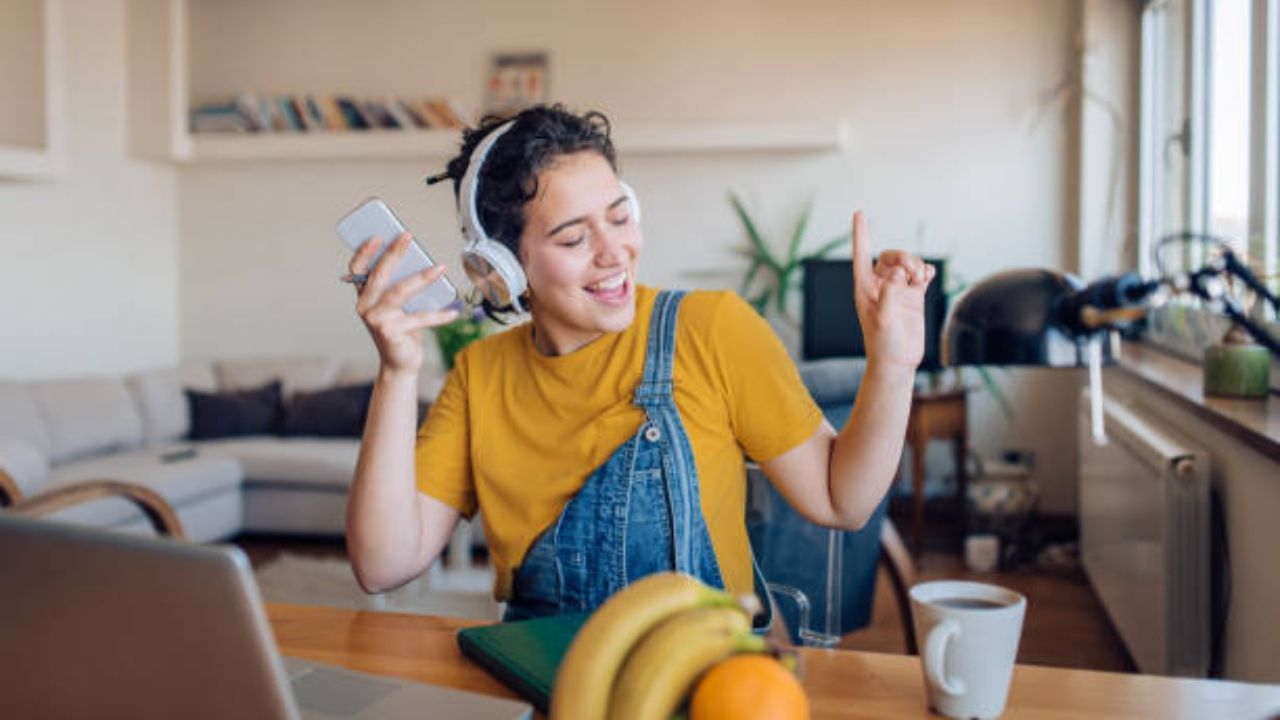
{"x": 639, "y": 656}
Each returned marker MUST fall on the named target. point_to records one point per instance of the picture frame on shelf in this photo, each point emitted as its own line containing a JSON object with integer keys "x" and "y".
{"x": 516, "y": 81}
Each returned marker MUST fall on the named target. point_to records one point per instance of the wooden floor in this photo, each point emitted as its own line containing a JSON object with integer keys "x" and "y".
{"x": 1064, "y": 627}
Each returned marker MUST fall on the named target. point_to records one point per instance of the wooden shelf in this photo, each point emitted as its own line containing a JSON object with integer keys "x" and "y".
{"x": 352, "y": 145}
{"x": 158, "y": 62}
{"x": 646, "y": 138}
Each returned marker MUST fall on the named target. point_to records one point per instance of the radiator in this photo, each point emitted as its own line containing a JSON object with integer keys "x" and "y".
{"x": 1144, "y": 531}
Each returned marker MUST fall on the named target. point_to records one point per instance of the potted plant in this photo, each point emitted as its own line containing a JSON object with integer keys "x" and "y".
{"x": 453, "y": 337}
{"x": 772, "y": 277}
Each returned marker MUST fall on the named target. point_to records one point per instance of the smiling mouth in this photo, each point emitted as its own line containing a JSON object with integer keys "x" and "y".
{"x": 611, "y": 288}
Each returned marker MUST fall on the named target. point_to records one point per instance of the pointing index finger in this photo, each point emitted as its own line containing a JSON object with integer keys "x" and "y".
{"x": 861, "y": 252}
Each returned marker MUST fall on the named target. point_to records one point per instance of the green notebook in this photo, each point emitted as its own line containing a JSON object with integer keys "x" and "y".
{"x": 523, "y": 655}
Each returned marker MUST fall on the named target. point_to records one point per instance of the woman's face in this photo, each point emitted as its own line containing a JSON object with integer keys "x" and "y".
{"x": 579, "y": 250}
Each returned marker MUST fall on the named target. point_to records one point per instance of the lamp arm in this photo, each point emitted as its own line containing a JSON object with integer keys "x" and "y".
{"x": 1200, "y": 284}
{"x": 1232, "y": 265}
{"x": 1255, "y": 328}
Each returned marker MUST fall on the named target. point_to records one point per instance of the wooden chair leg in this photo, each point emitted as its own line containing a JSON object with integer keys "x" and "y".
{"x": 962, "y": 480}
{"x": 917, "y": 495}
{"x": 9, "y": 492}
{"x": 902, "y": 574}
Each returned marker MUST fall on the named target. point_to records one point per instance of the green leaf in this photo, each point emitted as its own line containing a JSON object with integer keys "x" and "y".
{"x": 784, "y": 288}
{"x": 753, "y": 234}
{"x": 751, "y": 275}
{"x": 793, "y": 248}
{"x": 760, "y": 302}
{"x": 996, "y": 391}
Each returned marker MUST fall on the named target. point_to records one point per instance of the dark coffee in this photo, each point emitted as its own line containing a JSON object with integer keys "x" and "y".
{"x": 969, "y": 603}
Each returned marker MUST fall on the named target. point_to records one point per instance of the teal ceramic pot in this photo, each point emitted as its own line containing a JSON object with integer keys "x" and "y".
{"x": 1237, "y": 370}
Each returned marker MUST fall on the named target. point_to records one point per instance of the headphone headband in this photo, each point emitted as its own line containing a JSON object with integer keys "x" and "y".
{"x": 493, "y": 269}
{"x": 468, "y": 191}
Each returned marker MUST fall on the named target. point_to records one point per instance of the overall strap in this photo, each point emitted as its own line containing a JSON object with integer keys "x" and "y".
{"x": 659, "y": 360}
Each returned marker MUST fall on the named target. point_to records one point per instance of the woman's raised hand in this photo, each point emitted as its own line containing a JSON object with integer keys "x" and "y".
{"x": 397, "y": 334}
{"x": 890, "y": 301}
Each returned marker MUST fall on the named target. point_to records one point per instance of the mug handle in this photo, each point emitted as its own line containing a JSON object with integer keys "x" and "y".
{"x": 935, "y": 646}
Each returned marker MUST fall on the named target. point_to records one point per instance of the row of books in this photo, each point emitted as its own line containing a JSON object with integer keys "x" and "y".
{"x": 249, "y": 113}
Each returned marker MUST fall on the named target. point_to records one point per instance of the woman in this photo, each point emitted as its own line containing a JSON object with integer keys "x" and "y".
{"x": 605, "y": 439}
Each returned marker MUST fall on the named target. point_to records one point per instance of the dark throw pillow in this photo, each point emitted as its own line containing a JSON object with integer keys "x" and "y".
{"x": 335, "y": 412}
{"x": 232, "y": 414}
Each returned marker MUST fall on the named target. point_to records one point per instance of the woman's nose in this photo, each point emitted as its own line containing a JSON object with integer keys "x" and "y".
{"x": 611, "y": 245}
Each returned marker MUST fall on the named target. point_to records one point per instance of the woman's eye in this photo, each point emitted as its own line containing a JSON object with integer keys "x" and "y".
{"x": 573, "y": 243}
{"x": 621, "y": 220}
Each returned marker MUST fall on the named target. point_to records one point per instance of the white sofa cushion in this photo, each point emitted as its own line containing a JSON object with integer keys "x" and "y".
{"x": 301, "y": 462}
{"x": 20, "y": 417}
{"x": 87, "y": 416}
{"x": 296, "y": 374}
{"x": 166, "y": 414}
{"x": 25, "y": 464}
{"x": 179, "y": 482}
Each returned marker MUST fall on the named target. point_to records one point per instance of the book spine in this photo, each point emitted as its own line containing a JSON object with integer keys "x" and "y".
{"x": 286, "y": 111}
{"x": 351, "y": 113}
{"x": 300, "y": 111}
{"x": 313, "y": 111}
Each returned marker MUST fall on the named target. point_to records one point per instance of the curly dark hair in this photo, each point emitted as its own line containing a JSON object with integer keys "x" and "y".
{"x": 509, "y": 179}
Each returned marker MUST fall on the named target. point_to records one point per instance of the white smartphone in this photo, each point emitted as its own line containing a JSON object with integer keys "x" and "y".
{"x": 374, "y": 219}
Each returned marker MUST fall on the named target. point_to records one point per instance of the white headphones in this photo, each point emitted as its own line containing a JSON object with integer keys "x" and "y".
{"x": 493, "y": 269}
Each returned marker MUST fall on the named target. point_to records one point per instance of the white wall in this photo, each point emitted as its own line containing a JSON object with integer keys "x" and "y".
{"x": 90, "y": 258}
{"x": 957, "y": 148}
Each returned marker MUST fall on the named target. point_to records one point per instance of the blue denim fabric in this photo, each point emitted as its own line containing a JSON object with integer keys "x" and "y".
{"x": 637, "y": 514}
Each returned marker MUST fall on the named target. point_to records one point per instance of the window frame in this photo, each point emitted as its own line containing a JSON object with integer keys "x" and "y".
{"x": 1183, "y": 325}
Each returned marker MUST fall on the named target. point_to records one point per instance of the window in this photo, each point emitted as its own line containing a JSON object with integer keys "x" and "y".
{"x": 1209, "y": 146}
{"x": 1227, "y": 121}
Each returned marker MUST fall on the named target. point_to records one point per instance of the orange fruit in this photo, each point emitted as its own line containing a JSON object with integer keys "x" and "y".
{"x": 749, "y": 686}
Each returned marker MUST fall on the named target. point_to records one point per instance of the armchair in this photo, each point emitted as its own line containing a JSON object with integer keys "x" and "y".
{"x": 158, "y": 512}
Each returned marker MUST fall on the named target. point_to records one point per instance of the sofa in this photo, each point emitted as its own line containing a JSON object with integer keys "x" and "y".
{"x": 62, "y": 432}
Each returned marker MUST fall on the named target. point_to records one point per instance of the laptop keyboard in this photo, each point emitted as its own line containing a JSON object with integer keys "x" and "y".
{"x": 338, "y": 694}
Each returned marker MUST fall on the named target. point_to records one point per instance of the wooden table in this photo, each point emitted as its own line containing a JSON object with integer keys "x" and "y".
{"x": 840, "y": 683}
{"x": 940, "y": 415}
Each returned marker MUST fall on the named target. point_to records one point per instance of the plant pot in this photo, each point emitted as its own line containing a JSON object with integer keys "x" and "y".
{"x": 1237, "y": 367}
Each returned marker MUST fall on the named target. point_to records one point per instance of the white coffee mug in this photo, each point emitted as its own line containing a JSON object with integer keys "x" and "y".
{"x": 969, "y": 636}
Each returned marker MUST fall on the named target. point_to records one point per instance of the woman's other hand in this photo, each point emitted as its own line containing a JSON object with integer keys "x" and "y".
{"x": 890, "y": 301}
{"x": 397, "y": 334}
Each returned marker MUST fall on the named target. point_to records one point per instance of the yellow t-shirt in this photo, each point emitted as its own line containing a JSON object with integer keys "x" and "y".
{"x": 516, "y": 434}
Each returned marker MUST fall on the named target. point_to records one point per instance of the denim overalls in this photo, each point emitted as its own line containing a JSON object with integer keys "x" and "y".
{"x": 637, "y": 514}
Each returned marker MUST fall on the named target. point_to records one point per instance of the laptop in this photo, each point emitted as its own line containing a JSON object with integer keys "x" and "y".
{"x": 104, "y": 624}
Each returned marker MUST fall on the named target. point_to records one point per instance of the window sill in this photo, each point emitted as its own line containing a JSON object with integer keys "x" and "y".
{"x": 1254, "y": 422}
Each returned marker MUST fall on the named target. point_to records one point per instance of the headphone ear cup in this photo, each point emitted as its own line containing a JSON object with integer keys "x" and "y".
{"x": 632, "y": 200}
{"x": 495, "y": 272}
